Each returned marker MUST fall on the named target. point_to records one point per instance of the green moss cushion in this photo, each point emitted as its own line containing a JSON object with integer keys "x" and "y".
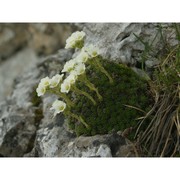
{"x": 111, "y": 113}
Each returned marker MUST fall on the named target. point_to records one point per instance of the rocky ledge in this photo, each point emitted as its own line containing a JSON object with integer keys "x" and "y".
{"x": 27, "y": 127}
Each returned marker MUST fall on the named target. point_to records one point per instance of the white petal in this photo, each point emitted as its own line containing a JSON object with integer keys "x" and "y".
{"x": 80, "y": 68}
{"x": 65, "y": 87}
{"x": 55, "y": 80}
{"x": 40, "y": 90}
{"x": 45, "y": 82}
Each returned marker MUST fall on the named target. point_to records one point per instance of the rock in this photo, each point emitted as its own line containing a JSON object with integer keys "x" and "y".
{"x": 52, "y": 134}
{"x": 48, "y": 38}
{"x": 15, "y": 66}
{"x": 21, "y": 117}
{"x": 17, "y": 131}
{"x": 107, "y": 145}
{"x": 21, "y": 45}
{"x": 5, "y": 35}
{"x": 128, "y": 150}
{"x": 13, "y": 37}
{"x": 117, "y": 41}
{"x": 141, "y": 73}
{"x": 42, "y": 38}
{"x": 27, "y": 84}
{"x": 150, "y": 63}
{"x": 51, "y": 138}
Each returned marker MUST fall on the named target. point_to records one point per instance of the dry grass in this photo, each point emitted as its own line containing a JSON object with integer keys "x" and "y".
{"x": 162, "y": 135}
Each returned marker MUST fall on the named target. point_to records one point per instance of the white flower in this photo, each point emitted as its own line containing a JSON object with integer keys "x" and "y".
{"x": 71, "y": 79}
{"x": 45, "y": 82}
{"x": 58, "y": 106}
{"x": 78, "y": 35}
{"x": 40, "y": 90}
{"x": 70, "y": 43}
{"x": 82, "y": 57}
{"x": 93, "y": 51}
{"x": 80, "y": 68}
{"x": 55, "y": 80}
{"x": 69, "y": 65}
{"x": 74, "y": 39}
{"x": 65, "y": 87}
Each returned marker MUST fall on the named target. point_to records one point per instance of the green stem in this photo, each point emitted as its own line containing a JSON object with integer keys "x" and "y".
{"x": 79, "y": 118}
{"x": 78, "y": 91}
{"x": 98, "y": 65}
{"x": 83, "y": 78}
{"x": 62, "y": 95}
{"x": 66, "y": 98}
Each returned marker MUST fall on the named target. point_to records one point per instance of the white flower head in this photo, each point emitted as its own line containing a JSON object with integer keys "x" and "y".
{"x": 65, "y": 87}
{"x": 80, "y": 68}
{"x": 45, "y": 82}
{"x": 78, "y": 35}
{"x": 40, "y": 90}
{"x": 58, "y": 106}
{"x": 82, "y": 57}
{"x": 69, "y": 65}
{"x": 55, "y": 80}
{"x": 71, "y": 79}
{"x": 75, "y": 38}
{"x": 92, "y": 50}
{"x": 70, "y": 43}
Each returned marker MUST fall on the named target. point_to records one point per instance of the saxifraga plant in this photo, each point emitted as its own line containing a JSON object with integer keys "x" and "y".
{"x": 96, "y": 96}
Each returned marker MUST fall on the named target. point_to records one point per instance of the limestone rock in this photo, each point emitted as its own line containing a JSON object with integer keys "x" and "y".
{"x": 21, "y": 45}
{"x": 52, "y": 135}
{"x": 117, "y": 41}
{"x": 51, "y": 138}
{"x": 48, "y": 38}
{"x": 17, "y": 130}
{"x": 15, "y": 66}
{"x": 13, "y": 37}
{"x": 42, "y": 38}
{"x": 95, "y": 146}
{"x": 21, "y": 117}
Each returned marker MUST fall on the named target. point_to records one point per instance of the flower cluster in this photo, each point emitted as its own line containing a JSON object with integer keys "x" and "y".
{"x": 75, "y": 40}
{"x": 73, "y": 71}
{"x": 47, "y": 83}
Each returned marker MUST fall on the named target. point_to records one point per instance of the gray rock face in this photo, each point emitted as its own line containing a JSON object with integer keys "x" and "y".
{"x": 13, "y": 67}
{"x": 95, "y": 146}
{"x": 17, "y": 130}
{"x": 21, "y": 45}
{"x": 51, "y": 139}
{"x": 12, "y": 38}
{"x": 117, "y": 41}
{"x": 52, "y": 135}
{"x": 21, "y": 116}
{"x": 43, "y": 38}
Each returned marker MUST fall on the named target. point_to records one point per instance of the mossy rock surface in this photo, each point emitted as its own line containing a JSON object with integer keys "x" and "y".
{"x": 110, "y": 114}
